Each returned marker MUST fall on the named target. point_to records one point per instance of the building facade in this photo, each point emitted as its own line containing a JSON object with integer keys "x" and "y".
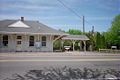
{"x": 21, "y": 42}
{"x": 23, "y": 35}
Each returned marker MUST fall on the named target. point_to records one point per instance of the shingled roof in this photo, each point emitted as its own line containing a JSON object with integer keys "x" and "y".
{"x": 35, "y": 27}
{"x": 76, "y": 37}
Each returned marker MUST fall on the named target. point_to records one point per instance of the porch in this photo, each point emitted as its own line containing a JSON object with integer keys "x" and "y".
{"x": 80, "y": 39}
{"x": 26, "y": 42}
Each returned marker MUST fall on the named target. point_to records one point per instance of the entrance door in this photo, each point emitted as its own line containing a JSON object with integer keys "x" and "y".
{"x": 19, "y": 43}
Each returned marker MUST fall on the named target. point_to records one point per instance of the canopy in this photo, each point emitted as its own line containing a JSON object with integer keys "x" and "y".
{"x": 76, "y": 37}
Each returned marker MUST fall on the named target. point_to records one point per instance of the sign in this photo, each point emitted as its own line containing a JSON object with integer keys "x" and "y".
{"x": 114, "y": 47}
{"x": 38, "y": 44}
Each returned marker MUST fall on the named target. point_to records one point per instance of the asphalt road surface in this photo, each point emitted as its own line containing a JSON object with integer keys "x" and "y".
{"x": 21, "y": 63}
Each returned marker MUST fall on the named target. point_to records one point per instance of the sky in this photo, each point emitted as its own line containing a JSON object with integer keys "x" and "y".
{"x": 98, "y": 13}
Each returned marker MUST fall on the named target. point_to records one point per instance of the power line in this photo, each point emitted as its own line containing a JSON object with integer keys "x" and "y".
{"x": 69, "y": 9}
{"x": 75, "y": 14}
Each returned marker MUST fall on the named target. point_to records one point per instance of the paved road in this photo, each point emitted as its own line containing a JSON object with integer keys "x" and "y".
{"x": 20, "y": 63}
{"x": 58, "y": 57}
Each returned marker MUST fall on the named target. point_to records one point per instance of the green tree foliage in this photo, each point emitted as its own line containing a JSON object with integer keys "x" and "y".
{"x": 112, "y": 36}
{"x": 103, "y": 42}
{"x": 91, "y": 42}
{"x": 57, "y": 44}
{"x": 74, "y": 32}
{"x": 99, "y": 41}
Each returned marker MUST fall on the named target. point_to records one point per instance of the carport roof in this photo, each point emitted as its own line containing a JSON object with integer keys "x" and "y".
{"x": 76, "y": 37}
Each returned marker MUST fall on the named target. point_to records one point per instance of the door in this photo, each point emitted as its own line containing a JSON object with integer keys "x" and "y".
{"x": 19, "y": 43}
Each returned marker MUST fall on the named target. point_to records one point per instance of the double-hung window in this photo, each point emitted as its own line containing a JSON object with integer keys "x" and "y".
{"x": 43, "y": 40}
{"x": 5, "y": 40}
{"x": 31, "y": 41}
{"x": 19, "y": 37}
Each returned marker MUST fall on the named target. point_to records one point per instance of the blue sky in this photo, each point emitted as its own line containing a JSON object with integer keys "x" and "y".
{"x": 98, "y": 13}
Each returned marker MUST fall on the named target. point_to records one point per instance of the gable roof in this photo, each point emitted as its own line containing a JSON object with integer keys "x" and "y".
{"x": 19, "y": 24}
{"x": 35, "y": 27}
{"x": 76, "y": 37}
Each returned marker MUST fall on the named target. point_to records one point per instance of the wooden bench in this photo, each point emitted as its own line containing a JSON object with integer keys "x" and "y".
{"x": 104, "y": 50}
{"x": 109, "y": 50}
{"x": 115, "y": 51}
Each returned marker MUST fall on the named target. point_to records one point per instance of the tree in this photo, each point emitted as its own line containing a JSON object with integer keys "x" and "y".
{"x": 74, "y": 32}
{"x": 57, "y": 45}
{"x": 112, "y": 36}
{"x": 100, "y": 41}
{"x": 91, "y": 42}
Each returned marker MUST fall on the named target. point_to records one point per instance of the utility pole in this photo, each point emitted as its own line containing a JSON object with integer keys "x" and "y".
{"x": 92, "y": 29}
{"x": 83, "y": 25}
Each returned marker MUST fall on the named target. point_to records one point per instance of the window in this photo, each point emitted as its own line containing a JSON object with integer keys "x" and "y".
{"x": 31, "y": 41}
{"x": 43, "y": 40}
{"x": 18, "y": 42}
{"x": 19, "y": 37}
{"x": 5, "y": 40}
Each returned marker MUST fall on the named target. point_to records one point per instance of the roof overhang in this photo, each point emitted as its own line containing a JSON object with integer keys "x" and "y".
{"x": 76, "y": 37}
{"x": 61, "y": 34}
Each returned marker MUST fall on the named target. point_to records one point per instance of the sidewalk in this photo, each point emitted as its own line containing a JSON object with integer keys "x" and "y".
{"x": 75, "y": 53}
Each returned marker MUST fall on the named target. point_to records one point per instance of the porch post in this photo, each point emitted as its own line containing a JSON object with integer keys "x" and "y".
{"x": 0, "y": 40}
{"x": 80, "y": 45}
{"x": 11, "y": 42}
{"x": 62, "y": 42}
{"x": 73, "y": 45}
{"x": 84, "y": 45}
{"x": 51, "y": 40}
{"x": 15, "y": 42}
{"x": 38, "y": 38}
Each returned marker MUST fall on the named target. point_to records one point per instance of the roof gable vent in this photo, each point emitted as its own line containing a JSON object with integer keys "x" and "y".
{"x": 19, "y": 24}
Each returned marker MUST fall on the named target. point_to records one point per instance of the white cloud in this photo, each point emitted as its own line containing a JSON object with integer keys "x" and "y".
{"x": 26, "y": 7}
{"x": 33, "y": 6}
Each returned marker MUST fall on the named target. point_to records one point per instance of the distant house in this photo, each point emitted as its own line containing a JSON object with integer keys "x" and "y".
{"x": 23, "y": 35}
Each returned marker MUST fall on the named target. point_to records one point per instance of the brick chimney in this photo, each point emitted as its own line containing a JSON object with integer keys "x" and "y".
{"x": 22, "y": 18}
